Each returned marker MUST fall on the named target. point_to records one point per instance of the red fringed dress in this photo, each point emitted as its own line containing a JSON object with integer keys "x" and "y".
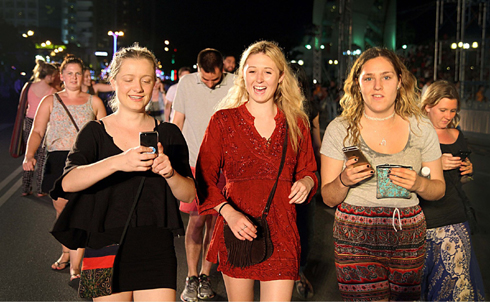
{"x": 250, "y": 164}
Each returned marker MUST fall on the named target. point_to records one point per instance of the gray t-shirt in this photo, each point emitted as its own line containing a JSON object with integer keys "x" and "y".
{"x": 197, "y": 102}
{"x": 422, "y": 146}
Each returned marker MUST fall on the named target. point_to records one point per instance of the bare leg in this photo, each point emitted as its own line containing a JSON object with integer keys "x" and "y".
{"x": 208, "y": 234}
{"x": 75, "y": 263}
{"x": 62, "y": 262}
{"x": 194, "y": 242}
{"x": 158, "y": 294}
{"x": 239, "y": 289}
{"x": 277, "y": 290}
{"x": 124, "y": 296}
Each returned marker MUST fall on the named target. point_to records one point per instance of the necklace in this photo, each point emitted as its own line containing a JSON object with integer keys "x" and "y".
{"x": 379, "y": 118}
{"x": 383, "y": 140}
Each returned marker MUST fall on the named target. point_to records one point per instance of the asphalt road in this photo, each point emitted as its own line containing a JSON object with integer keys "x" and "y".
{"x": 27, "y": 249}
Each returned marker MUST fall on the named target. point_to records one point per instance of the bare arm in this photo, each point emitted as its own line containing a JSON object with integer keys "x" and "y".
{"x": 98, "y": 107}
{"x": 38, "y": 130}
{"x": 316, "y": 140}
{"x": 179, "y": 119}
{"x": 168, "y": 108}
{"x": 83, "y": 177}
{"x": 183, "y": 188}
{"x": 336, "y": 182}
{"x": 100, "y": 87}
{"x": 429, "y": 189}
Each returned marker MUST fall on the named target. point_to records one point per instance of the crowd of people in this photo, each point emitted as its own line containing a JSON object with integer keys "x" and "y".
{"x": 238, "y": 148}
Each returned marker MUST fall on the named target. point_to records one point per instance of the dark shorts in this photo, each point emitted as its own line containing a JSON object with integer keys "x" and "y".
{"x": 53, "y": 169}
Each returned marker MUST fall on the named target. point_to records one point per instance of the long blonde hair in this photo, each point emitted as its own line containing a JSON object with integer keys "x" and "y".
{"x": 435, "y": 93}
{"x": 287, "y": 97}
{"x": 353, "y": 104}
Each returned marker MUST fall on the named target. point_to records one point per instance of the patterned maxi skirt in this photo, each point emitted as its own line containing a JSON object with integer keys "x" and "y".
{"x": 451, "y": 271}
{"x": 379, "y": 252}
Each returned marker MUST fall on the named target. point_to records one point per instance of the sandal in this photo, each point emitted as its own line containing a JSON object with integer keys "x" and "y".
{"x": 59, "y": 265}
{"x": 74, "y": 277}
{"x": 304, "y": 287}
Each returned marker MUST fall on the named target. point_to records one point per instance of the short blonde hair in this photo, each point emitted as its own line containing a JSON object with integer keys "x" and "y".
{"x": 132, "y": 52}
{"x": 435, "y": 93}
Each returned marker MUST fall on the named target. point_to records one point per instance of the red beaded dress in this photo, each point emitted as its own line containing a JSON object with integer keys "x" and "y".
{"x": 250, "y": 164}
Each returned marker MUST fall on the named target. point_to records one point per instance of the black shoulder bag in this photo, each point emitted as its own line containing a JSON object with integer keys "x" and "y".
{"x": 67, "y": 112}
{"x": 244, "y": 253}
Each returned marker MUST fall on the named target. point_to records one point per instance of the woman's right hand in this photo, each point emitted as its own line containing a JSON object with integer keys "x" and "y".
{"x": 450, "y": 162}
{"x": 29, "y": 163}
{"x": 136, "y": 159}
{"x": 240, "y": 225}
{"x": 352, "y": 175}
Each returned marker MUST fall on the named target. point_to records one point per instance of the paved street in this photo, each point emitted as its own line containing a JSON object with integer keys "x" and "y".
{"x": 27, "y": 249}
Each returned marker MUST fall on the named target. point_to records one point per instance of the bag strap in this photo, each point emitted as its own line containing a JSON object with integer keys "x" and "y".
{"x": 273, "y": 191}
{"x": 67, "y": 112}
{"x": 136, "y": 197}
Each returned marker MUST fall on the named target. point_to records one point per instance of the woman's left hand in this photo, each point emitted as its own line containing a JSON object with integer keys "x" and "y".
{"x": 300, "y": 190}
{"x": 466, "y": 167}
{"x": 405, "y": 178}
{"x": 161, "y": 164}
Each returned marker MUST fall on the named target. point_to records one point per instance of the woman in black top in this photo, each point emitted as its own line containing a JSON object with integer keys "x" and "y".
{"x": 103, "y": 172}
{"x": 451, "y": 271}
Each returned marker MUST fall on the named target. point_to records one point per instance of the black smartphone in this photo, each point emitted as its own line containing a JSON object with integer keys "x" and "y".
{"x": 463, "y": 154}
{"x": 149, "y": 139}
{"x": 354, "y": 151}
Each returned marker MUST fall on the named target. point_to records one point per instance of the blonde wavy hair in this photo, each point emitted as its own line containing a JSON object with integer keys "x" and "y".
{"x": 288, "y": 96}
{"x": 435, "y": 93}
{"x": 406, "y": 103}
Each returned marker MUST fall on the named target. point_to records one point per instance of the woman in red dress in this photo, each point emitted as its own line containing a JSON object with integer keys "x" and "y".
{"x": 244, "y": 140}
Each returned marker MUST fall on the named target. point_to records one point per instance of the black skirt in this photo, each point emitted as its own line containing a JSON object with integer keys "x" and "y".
{"x": 145, "y": 260}
{"x": 53, "y": 169}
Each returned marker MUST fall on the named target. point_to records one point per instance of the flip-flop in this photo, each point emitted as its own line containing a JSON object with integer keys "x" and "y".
{"x": 58, "y": 266}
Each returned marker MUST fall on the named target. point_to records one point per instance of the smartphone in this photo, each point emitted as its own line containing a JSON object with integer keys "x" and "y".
{"x": 149, "y": 139}
{"x": 463, "y": 154}
{"x": 354, "y": 151}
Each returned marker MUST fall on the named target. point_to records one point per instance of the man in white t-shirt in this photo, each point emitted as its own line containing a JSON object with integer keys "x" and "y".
{"x": 172, "y": 90}
{"x": 195, "y": 101}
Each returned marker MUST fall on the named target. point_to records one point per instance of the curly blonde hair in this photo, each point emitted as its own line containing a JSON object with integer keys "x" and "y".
{"x": 288, "y": 96}
{"x": 353, "y": 104}
{"x": 435, "y": 93}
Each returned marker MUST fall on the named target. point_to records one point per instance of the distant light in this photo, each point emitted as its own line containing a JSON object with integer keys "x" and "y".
{"x": 357, "y": 52}
{"x": 466, "y": 45}
{"x": 315, "y": 81}
{"x": 43, "y": 44}
{"x": 38, "y": 57}
{"x": 330, "y": 62}
{"x": 53, "y": 54}
{"x": 24, "y": 35}
{"x": 23, "y": 73}
{"x": 308, "y": 46}
{"x": 322, "y": 46}
{"x": 454, "y": 46}
{"x": 13, "y": 67}
{"x": 194, "y": 66}
{"x": 167, "y": 42}
{"x": 404, "y": 46}
{"x": 293, "y": 61}
{"x": 56, "y": 51}
{"x": 48, "y": 42}
{"x": 30, "y": 33}
{"x": 472, "y": 67}
{"x": 101, "y": 53}
{"x": 166, "y": 48}
{"x": 460, "y": 44}
{"x": 160, "y": 66}
{"x": 348, "y": 52}
{"x": 110, "y": 33}
{"x": 301, "y": 62}
{"x": 474, "y": 45}
{"x": 60, "y": 48}
{"x": 336, "y": 62}
{"x": 448, "y": 68}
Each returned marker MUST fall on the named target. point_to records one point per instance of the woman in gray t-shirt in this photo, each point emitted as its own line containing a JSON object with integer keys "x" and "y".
{"x": 379, "y": 229}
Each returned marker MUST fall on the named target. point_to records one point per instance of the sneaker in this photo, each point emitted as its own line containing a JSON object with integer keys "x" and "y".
{"x": 205, "y": 291}
{"x": 189, "y": 294}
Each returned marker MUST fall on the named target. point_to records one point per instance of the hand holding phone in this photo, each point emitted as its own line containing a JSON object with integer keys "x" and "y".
{"x": 463, "y": 154}
{"x": 353, "y": 151}
{"x": 149, "y": 139}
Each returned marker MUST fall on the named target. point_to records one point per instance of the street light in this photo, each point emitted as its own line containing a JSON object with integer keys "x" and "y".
{"x": 115, "y": 34}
